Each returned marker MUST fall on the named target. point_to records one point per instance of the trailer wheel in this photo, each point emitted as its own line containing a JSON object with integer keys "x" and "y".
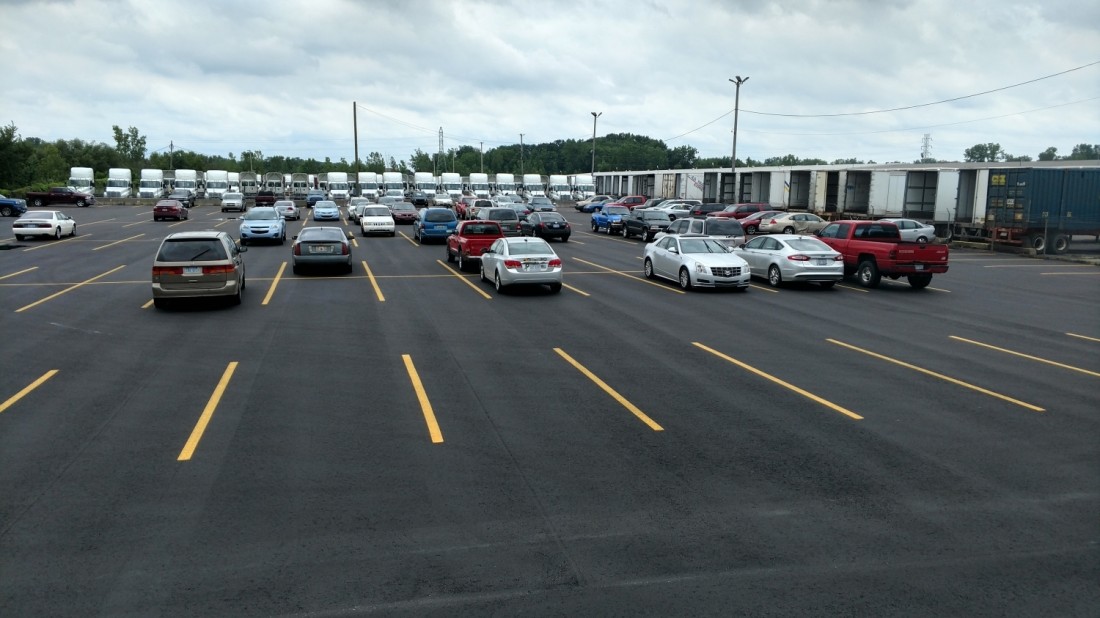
{"x": 1038, "y": 242}
{"x": 1061, "y": 244}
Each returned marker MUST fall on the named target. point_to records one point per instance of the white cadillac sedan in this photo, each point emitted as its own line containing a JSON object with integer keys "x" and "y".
{"x": 43, "y": 223}
{"x": 521, "y": 260}
{"x": 696, "y": 261}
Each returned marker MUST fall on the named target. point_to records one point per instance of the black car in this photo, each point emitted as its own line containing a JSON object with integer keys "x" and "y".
{"x": 185, "y": 196}
{"x": 418, "y": 198}
{"x": 545, "y": 225}
{"x": 645, "y": 223}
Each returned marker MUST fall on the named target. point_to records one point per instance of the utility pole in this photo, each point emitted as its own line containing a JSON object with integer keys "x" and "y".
{"x": 482, "y": 157}
{"x": 521, "y": 154}
{"x": 594, "y": 117}
{"x": 440, "y": 153}
{"x": 171, "y": 154}
{"x": 355, "y": 130}
{"x": 733, "y": 158}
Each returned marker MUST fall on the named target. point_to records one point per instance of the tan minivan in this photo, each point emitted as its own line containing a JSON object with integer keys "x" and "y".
{"x": 196, "y": 265}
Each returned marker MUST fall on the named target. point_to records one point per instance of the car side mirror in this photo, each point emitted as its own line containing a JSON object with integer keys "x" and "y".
{"x": 294, "y": 237}
{"x": 741, "y": 246}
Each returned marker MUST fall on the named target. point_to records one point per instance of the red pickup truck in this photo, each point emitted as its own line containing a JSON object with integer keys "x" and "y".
{"x": 59, "y": 195}
{"x": 470, "y": 240}
{"x": 873, "y": 249}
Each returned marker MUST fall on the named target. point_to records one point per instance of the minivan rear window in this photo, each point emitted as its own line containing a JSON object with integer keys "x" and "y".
{"x": 192, "y": 250}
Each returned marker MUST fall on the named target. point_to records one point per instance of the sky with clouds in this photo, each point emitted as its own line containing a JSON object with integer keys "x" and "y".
{"x": 218, "y": 76}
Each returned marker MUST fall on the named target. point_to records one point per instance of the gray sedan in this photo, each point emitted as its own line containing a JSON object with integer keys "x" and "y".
{"x": 914, "y": 231}
{"x": 792, "y": 257}
{"x": 322, "y": 246}
{"x": 521, "y": 261}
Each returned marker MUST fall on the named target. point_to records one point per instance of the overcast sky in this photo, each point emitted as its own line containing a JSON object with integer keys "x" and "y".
{"x": 217, "y": 76}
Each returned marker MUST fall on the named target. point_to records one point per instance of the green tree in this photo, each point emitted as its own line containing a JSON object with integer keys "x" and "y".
{"x": 130, "y": 145}
{"x": 1050, "y": 154}
{"x": 1085, "y": 152}
{"x": 984, "y": 153}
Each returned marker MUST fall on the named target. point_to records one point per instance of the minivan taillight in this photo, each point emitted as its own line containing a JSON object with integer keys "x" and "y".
{"x": 167, "y": 270}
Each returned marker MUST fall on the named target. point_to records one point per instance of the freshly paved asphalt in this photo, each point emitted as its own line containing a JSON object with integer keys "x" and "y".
{"x": 316, "y": 487}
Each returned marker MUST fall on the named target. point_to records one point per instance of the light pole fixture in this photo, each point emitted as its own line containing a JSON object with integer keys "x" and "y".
{"x": 733, "y": 157}
{"x": 594, "y": 117}
{"x": 521, "y": 154}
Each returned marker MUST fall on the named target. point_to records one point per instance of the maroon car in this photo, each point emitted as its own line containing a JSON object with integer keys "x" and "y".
{"x": 403, "y": 212}
{"x": 170, "y": 209}
{"x": 751, "y": 223}
{"x": 740, "y": 211}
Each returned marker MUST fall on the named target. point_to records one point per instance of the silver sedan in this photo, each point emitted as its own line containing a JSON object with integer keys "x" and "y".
{"x": 520, "y": 260}
{"x": 914, "y": 231}
{"x": 792, "y": 257}
{"x": 695, "y": 261}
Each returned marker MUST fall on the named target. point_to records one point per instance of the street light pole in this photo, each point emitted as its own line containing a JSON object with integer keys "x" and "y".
{"x": 521, "y": 154}
{"x": 733, "y": 157}
{"x": 594, "y": 117}
{"x": 482, "y": 157}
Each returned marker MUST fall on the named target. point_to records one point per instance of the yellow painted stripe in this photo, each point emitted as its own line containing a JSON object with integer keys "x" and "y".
{"x": 30, "y": 387}
{"x": 760, "y": 287}
{"x": 409, "y": 238}
{"x": 117, "y": 242}
{"x": 422, "y": 396}
{"x": 1027, "y": 356}
{"x": 643, "y": 280}
{"x": 20, "y": 272}
{"x": 355, "y": 242}
{"x": 1034, "y": 265}
{"x": 68, "y": 289}
{"x": 610, "y": 391}
{"x": 938, "y": 375}
{"x": 463, "y": 279}
{"x": 1071, "y": 274}
{"x": 854, "y": 289}
{"x": 1073, "y": 335}
{"x": 133, "y": 224}
{"x": 581, "y": 292}
{"x": 374, "y": 283}
{"x": 95, "y": 222}
{"x": 55, "y": 243}
{"x": 148, "y": 303}
{"x": 788, "y": 385}
{"x": 274, "y": 284}
{"x": 207, "y": 414}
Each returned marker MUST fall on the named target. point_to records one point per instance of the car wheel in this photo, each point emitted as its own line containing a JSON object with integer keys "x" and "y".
{"x": 38, "y": 202}
{"x": 775, "y": 278}
{"x": 5, "y": 211}
{"x": 496, "y": 282}
{"x": 461, "y": 262}
{"x": 450, "y": 256}
{"x": 750, "y": 230}
{"x": 72, "y": 232}
{"x": 827, "y": 284}
{"x": 685, "y": 279}
{"x": 244, "y": 242}
{"x": 595, "y": 228}
{"x": 922, "y": 239}
{"x": 555, "y": 288}
{"x": 648, "y": 268}
{"x": 297, "y": 269}
{"x": 80, "y": 203}
{"x": 481, "y": 273}
{"x": 626, "y": 233}
{"x": 282, "y": 239}
{"x": 237, "y": 297}
{"x": 57, "y": 232}
{"x": 565, "y": 238}
{"x": 867, "y": 274}
{"x": 348, "y": 268}
{"x": 788, "y": 230}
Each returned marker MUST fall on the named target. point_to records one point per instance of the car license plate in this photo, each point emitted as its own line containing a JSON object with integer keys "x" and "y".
{"x": 821, "y": 262}
{"x": 321, "y": 249}
{"x": 192, "y": 270}
{"x": 440, "y": 227}
{"x": 920, "y": 266}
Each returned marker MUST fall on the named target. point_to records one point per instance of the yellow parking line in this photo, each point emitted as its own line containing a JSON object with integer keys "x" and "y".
{"x": 1027, "y": 356}
{"x": 610, "y": 391}
{"x": 1069, "y": 274}
{"x": 95, "y": 222}
{"x": 1070, "y": 334}
{"x": 148, "y": 303}
{"x": 766, "y": 289}
{"x": 581, "y": 292}
{"x": 848, "y": 287}
{"x": 767, "y": 376}
{"x": 68, "y": 289}
{"x": 422, "y": 397}
{"x": 117, "y": 242}
{"x": 207, "y": 414}
{"x": 20, "y": 272}
{"x": 610, "y": 270}
{"x": 938, "y": 375}
{"x": 374, "y": 283}
{"x": 1032, "y": 265}
{"x": 55, "y": 243}
{"x": 355, "y": 242}
{"x": 26, "y": 390}
{"x": 274, "y": 284}
{"x": 133, "y": 224}
{"x": 406, "y": 237}
{"x": 463, "y": 280}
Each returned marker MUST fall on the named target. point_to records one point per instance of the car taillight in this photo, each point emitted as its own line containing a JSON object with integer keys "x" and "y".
{"x": 798, "y": 257}
{"x": 345, "y": 248}
{"x": 167, "y": 270}
{"x": 838, "y": 258}
{"x": 511, "y": 263}
{"x": 297, "y": 249}
{"x": 555, "y": 263}
{"x": 221, "y": 269}
{"x": 772, "y": 222}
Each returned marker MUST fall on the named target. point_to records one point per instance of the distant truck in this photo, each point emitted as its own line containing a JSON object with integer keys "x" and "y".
{"x": 583, "y": 187}
{"x": 505, "y": 184}
{"x": 479, "y": 185}
{"x": 82, "y": 180}
{"x": 60, "y": 195}
{"x": 273, "y": 181}
{"x": 217, "y": 183}
{"x": 470, "y": 239}
{"x": 338, "y": 187}
{"x": 119, "y": 182}
{"x": 533, "y": 184}
{"x": 424, "y": 181}
{"x": 299, "y": 185}
{"x": 250, "y": 183}
{"x": 1042, "y": 209}
{"x": 235, "y": 182}
{"x": 187, "y": 179}
{"x": 451, "y": 183}
{"x": 370, "y": 185}
{"x": 557, "y": 188}
{"x": 874, "y": 249}
{"x": 392, "y": 181}
{"x": 151, "y": 184}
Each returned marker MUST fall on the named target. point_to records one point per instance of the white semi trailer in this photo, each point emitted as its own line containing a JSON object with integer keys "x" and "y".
{"x": 82, "y": 179}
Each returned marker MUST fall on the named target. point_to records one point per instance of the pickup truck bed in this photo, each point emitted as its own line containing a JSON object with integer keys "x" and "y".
{"x": 470, "y": 240}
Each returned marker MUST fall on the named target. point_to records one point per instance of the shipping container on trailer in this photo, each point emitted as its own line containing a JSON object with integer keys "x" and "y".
{"x": 1043, "y": 209}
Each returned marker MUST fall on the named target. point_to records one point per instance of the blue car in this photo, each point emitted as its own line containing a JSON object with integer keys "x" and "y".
{"x": 326, "y": 210}
{"x": 314, "y": 196}
{"x": 262, "y": 223}
{"x": 434, "y": 223}
{"x": 593, "y": 206}
{"x": 12, "y": 207}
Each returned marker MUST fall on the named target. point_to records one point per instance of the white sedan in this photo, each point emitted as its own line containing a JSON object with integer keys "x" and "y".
{"x": 675, "y": 210}
{"x": 792, "y": 257}
{"x": 521, "y": 260}
{"x": 43, "y": 223}
{"x": 914, "y": 231}
{"x": 376, "y": 219}
{"x": 696, "y": 261}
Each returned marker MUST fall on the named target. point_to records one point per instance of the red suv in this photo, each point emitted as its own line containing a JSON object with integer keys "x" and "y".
{"x": 740, "y": 211}
{"x": 630, "y": 201}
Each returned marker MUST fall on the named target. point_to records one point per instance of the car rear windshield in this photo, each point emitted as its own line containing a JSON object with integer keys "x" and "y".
{"x": 191, "y": 250}
{"x": 553, "y": 216}
{"x": 616, "y": 210}
{"x": 502, "y": 214}
{"x": 529, "y": 248}
{"x": 808, "y": 244}
{"x": 481, "y": 229}
{"x": 318, "y": 234}
{"x": 724, "y": 227}
{"x": 439, "y": 216}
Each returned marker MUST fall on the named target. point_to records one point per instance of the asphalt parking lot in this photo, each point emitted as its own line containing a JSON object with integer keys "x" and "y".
{"x": 406, "y": 440}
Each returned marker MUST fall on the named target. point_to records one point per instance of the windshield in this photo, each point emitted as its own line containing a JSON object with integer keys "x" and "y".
{"x": 616, "y": 210}
{"x": 232, "y": 196}
{"x": 376, "y": 211}
{"x": 656, "y": 216}
{"x": 259, "y": 214}
{"x": 702, "y": 245}
{"x": 541, "y": 200}
{"x": 321, "y": 234}
{"x": 724, "y": 227}
{"x": 500, "y": 214}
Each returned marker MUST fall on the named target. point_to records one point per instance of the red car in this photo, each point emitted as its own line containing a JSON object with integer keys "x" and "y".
{"x": 403, "y": 212}
{"x": 630, "y": 201}
{"x": 751, "y": 223}
{"x": 740, "y": 211}
{"x": 170, "y": 209}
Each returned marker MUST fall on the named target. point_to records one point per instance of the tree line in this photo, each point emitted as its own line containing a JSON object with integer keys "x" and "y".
{"x": 32, "y": 163}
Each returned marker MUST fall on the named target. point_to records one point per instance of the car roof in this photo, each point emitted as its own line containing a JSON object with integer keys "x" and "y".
{"x": 195, "y": 235}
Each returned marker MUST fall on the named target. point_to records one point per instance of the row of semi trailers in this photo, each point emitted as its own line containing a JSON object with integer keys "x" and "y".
{"x": 154, "y": 183}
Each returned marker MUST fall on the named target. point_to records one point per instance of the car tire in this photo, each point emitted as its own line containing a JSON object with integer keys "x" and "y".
{"x": 462, "y": 264}
{"x": 348, "y": 268}
{"x": 595, "y": 228}
{"x": 919, "y": 282}
{"x": 57, "y": 233}
{"x": 282, "y": 239}
{"x": 565, "y": 238}
{"x": 496, "y": 282}
{"x": 38, "y": 202}
{"x": 647, "y": 268}
{"x": 481, "y": 273}
{"x": 297, "y": 269}
{"x": 72, "y": 232}
{"x": 685, "y": 279}
{"x": 750, "y": 230}
{"x": 236, "y": 298}
{"x": 555, "y": 288}
{"x": 775, "y": 277}
{"x": 244, "y": 242}
{"x": 5, "y": 211}
{"x": 80, "y": 204}
{"x": 626, "y": 232}
{"x": 450, "y": 256}
{"x": 788, "y": 230}
{"x": 922, "y": 239}
{"x": 867, "y": 274}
